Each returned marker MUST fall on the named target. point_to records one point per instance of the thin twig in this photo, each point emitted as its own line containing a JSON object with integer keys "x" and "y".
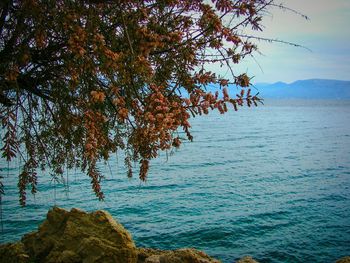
{"x": 127, "y": 35}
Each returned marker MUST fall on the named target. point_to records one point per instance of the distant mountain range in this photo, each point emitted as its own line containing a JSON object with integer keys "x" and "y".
{"x": 306, "y": 89}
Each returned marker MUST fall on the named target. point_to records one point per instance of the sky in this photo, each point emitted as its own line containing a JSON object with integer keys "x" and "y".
{"x": 326, "y": 35}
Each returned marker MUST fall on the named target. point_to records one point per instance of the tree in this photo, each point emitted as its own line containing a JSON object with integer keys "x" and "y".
{"x": 83, "y": 79}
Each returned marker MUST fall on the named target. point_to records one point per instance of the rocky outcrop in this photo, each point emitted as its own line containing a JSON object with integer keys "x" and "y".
{"x": 13, "y": 253}
{"x": 187, "y": 255}
{"x": 76, "y": 236}
{"x": 247, "y": 259}
{"x": 79, "y": 237}
{"x": 343, "y": 260}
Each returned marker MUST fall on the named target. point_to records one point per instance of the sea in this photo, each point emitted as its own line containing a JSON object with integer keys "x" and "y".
{"x": 272, "y": 182}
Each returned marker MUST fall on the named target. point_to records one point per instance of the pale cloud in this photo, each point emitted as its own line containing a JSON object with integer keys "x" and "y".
{"x": 326, "y": 34}
{"x": 326, "y": 17}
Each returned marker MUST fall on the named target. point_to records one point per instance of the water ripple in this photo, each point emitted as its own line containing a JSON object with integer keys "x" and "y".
{"x": 272, "y": 183}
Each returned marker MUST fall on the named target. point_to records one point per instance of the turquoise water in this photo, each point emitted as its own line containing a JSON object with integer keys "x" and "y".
{"x": 272, "y": 182}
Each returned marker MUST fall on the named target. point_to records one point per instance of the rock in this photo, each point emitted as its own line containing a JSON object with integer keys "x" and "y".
{"x": 247, "y": 259}
{"x": 343, "y": 260}
{"x": 76, "y": 236}
{"x": 66, "y": 256}
{"x": 187, "y": 255}
{"x": 145, "y": 253}
{"x": 13, "y": 253}
{"x": 153, "y": 259}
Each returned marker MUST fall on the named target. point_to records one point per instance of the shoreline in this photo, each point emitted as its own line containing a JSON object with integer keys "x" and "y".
{"x": 77, "y": 236}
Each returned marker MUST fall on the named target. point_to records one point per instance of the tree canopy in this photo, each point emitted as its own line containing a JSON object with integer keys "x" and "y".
{"x": 81, "y": 80}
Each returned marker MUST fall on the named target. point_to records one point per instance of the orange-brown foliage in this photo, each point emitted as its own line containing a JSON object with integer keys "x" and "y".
{"x": 82, "y": 79}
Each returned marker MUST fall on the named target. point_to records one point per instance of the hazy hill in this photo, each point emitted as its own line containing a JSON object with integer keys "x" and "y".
{"x": 306, "y": 89}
